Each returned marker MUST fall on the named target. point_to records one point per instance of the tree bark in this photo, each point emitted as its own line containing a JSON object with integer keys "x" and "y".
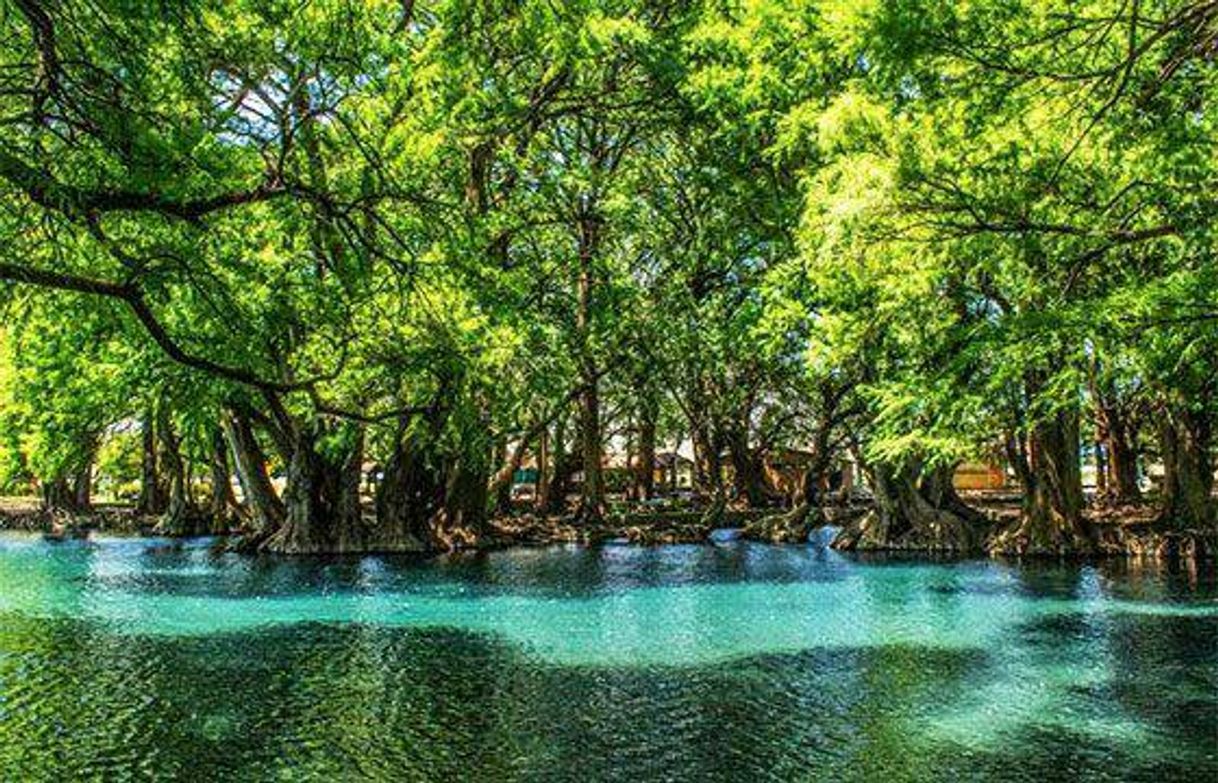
{"x": 461, "y": 521}
{"x": 151, "y": 501}
{"x": 266, "y": 510}
{"x": 223, "y": 503}
{"x": 501, "y": 483}
{"x": 915, "y": 510}
{"x": 746, "y": 465}
{"x": 1120, "y": 456}
{"x": 1185, "y": 440}
{"x": 180, "y": 518}
{"x": 58, "y": 495}
{"x": 1116, "y": 434}
{"x": 1101, "y": 468}
{"x": 82, "y": 485}
{"x": 592, "y": 494}
{"x": 592, "y": 491}
{"x": 795, "y": 524}
{"x": 545, "y": 456}
{"x": 410, "y": 492}
{"x": 552, "y": 495}
{"x": 707, "y": 461}
{"x": 645, "y": 469}
{"x": 348, "y": 513}
{"x": 1051, "y": 520}
{"x": 428, "y": 501}
{"x": 321, "y": 499}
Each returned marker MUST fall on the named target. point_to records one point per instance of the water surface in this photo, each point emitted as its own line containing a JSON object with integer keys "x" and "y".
{"x": 742, "y": 662}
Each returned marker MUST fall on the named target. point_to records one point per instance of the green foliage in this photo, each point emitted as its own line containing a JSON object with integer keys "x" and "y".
{"x": 938, "y": 218}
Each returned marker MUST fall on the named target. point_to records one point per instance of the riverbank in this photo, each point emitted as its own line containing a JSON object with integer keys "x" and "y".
{"x": 1127, "y": 531}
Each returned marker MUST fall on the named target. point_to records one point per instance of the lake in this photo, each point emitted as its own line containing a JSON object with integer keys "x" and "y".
{"x": 148, "y": 658}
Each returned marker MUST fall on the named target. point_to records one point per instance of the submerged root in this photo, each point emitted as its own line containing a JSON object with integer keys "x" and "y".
{"x": 1156, "y": 542}
{"x": 184, "y": 522}
{"x": 1041, "y": 535}
{"x": 794, "y": 526}
{"x": 932, "y": 530}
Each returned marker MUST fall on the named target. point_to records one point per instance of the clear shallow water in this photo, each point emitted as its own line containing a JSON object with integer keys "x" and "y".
{"x": 146, "y": 658}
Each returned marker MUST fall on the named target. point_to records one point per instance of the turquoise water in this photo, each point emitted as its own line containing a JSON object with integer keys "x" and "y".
{"x": 147, "y": 658}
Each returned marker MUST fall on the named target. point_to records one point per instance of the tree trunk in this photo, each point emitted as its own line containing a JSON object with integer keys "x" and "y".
{"x": 1101, "y": 469}
{"x": 552, "y": 496}
{"x": 152, "y": 501}
{"x": 541, "y": 489}
{"x": 645, "y": 469}
{"x": 795, "y": 524}
{"x": 1122, "y": 471}
{"x": 592, "y": 494}
{"x": 181, "y": 518}
{"x": 1051, "y": 521}
{"x": 914, "y": 510}
{"x": 410, "y": 492}
{"x": 58, "y": 495}
{"x": 707, "y": 461}
{"x": 501, "y": 483}
{"x": 266, "y": 510}
{"x": 223, "y": 503}
{"x": 1185, "y": 440}
{"x": 1117, "y": 461}
{"x": 1120, "y": 457}
{"x": 462, "y": 520}
{"x": 350, "y": 534}
{"x": 592, "y": 491}
{"x": 749, "y": 480}
{"x": 82, "y": 485}
{"x": 322, "y": 499}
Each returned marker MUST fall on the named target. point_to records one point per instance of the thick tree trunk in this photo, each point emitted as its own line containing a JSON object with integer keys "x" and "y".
{"x": 563, "y": 464}
{"x": 461, "y": 521}
{"x": 304, "y": 528}
{"x": 58, "y": 495}
{"x": 427, "y": 502}
{"x": 410, "y": 492}
{"x": 222, "y": 506}
{"x": 321, "y": 499}
{"x": 1117, "y": 455}
{"x": 1185, "y": 440}
{"x": 545, "y": 469}
{"x": 796, "y": 524}
{"x": 816, "y": 475}
{"x": 592, "y": 492}
{"x": 708, "y": 464}
{"x": 748, "y": 479}
{"x": 1120, "y": 458}
{"x": 501, "y": 483}
{"x": 939, "y": 489}
{"x": 915, "y": 510}
{"x": 152, "y": 501}
{"x": 181, "y": 518}
{"x": 82, "y": 485}
{"x": 266, "y": 510}
{"x": 351, "y": 534}
{"x": 72, "y": 490}
{"x": 1123, "y": 471}
{"x": 645, "y": 467}
{"x": 1101, "y": 469}
{"x": 1051, "y": 521}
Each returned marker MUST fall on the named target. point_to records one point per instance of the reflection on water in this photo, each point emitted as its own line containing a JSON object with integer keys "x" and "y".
{"x": 128, "y": 658}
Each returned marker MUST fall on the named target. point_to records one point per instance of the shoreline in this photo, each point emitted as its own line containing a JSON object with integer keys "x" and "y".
{"x": 1129, "y": 533}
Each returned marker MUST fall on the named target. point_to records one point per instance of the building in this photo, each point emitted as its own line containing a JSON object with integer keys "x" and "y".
{"x": 672, "y": 472}
{"x": 979, "y": 475}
